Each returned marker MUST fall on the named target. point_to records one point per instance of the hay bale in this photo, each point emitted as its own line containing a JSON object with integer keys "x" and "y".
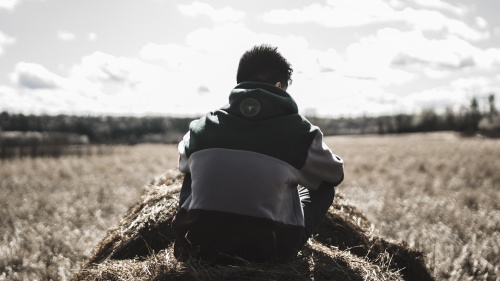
{"x": 141, "y": 248}
{"x": 146, "y": 226}
{"x": 349, "y": 230}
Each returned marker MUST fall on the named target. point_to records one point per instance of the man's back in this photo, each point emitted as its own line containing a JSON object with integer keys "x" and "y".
{"x": 245, "y": 162}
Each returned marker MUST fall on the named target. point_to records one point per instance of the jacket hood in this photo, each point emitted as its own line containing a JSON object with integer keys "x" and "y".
{"x": 259, "y": 101}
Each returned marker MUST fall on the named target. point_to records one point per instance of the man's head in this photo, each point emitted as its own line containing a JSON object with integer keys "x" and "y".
{"x": 264, "y": 64}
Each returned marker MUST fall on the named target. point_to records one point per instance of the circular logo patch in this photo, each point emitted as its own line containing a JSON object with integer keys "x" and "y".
{"x": 249, "y": 107}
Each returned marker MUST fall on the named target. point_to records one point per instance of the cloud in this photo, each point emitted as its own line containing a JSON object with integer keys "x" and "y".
{"x": 98, "y": 84}
{"x": 203, "y": 90}
{"x": 174, "y": 55}
{"x": 355, "y": 97}
{"x": 9, "y": 4}
{"x": 52, "y": 101}
{"x": 195, "y": 75}
{"x": 66, "y": 36}
{"x": 437, "y": 99}
{"x": 176, "y": 79}
{"x": 223, "y": 15}
{"x": 428, "y": 20}
{"x": 108, "y": 74}
{"x": 34, "y": 76}
{"x": 488, "y": 58}
{"x": 101, "y": 67}
{"x": 481, "y": 22}
{"x": 210, "y": 55}
{"x": 5, "y": 40}
{"x": 92, "y": 36}
{"x": 337, "y": 13}
{"x": 355, "y": 13}
{"x": 453, "y": 95}
{"x": 369, "y": 59}
{"x": 125, "y": 85}
{"x": 334, "y": 94}
{"x": 459, "y": 9}
{"x": 335, "y": 84}
{"x": 392, "y": 55}
{"x": 476, "y": 86}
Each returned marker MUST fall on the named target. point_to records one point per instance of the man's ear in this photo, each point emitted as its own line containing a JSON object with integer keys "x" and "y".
{"x": 278, "y": 84}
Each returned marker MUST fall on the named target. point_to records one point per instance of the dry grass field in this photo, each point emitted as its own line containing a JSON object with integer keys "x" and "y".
{"x": 438, "y": 192}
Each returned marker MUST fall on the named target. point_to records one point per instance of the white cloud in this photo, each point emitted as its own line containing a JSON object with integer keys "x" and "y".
{"x": 438, "y": 99}
{"x": 220, "y": 40}
{"x": 435, "y": 73}
{"x": 210, "y": 58}
{"x": 66, "y": 36}
{"x": 52, "y": 101}
{"x": 459, "y": 9}
{"x": 355, "y": 97}
{"x": 481, "y": 22}
{"x": 328, "y": 81}
{"x": 380, "y": 55}
{"x": 196, "y": 76}
{"x": 223, "y": 15}
{"x": 168, "y": 79}
{"x": 5, "y": 40}
{"x": 475, "y": 86}
{"x": 9, "y": 4}
{"x": 107, "y": 74}
{"x": 454, "y": 95}
{"x": 333, "y": 94}
{"x": 92, "y": 36}
{"x": 372, "y": 58}
{"x": 352, "y": 13}
{"x": 34, "y": 76}
{"x": 427, "y": 20}
{"x": 174, "y": 55}
{"x": 99, "y": 84}
{"x": 488, "y": 58}
{"x": 337, "y": 13}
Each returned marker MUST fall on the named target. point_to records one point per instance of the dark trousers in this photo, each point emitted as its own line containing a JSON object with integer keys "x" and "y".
{"x": 315, "y": 204}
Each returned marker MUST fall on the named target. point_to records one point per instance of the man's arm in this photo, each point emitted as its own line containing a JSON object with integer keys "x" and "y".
{"x": 183, "y": 159}
{"x": 322, "y": 167}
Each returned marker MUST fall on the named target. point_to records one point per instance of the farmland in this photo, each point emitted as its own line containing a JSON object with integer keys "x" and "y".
{"x": 438, "y": 192}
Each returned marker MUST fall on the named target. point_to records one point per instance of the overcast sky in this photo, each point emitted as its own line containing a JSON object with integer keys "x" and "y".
{"x": 164, "y": 57}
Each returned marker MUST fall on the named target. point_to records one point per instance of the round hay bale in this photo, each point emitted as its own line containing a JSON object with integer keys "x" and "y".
{"x": 141, "y": 248}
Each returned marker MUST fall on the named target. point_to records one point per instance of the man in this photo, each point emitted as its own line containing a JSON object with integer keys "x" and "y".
{"x": 243, "y": 165}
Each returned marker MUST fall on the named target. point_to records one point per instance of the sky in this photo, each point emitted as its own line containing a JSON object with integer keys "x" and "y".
{"x": 179, "y": 58}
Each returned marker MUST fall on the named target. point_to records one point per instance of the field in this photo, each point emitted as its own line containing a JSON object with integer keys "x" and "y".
{"x": 438, "y": 192}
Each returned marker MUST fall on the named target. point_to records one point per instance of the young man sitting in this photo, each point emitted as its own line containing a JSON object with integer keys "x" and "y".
{"x": 243, "y": 164}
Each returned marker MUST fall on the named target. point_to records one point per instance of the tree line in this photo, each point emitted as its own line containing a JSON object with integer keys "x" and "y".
{"x": 101, "y": 129}
{"x": 480, "y": 116}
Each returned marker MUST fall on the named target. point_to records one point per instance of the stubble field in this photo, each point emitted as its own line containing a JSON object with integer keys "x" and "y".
{"x": 438, "y": 192}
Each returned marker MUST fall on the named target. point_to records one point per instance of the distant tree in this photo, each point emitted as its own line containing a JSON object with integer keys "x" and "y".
{"x": 473, "y": 117}
{"x": 429, "y": 120}
{"x": 491, "y": 102}
{"x": 450, "y": 119}
{"x": 404, "y": 123}
{"x": 4, "y": 121}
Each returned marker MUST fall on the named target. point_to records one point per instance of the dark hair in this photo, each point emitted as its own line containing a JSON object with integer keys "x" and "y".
{"x": 264, "y": 64}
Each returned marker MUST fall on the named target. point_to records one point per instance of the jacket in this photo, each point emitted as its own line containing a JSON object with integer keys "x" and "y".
{"x": 246, "y": 161}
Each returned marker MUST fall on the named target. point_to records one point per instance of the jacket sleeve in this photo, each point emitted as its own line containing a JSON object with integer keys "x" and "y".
{"x": 183, "y": 159}
{"x": 321, "y": 166}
